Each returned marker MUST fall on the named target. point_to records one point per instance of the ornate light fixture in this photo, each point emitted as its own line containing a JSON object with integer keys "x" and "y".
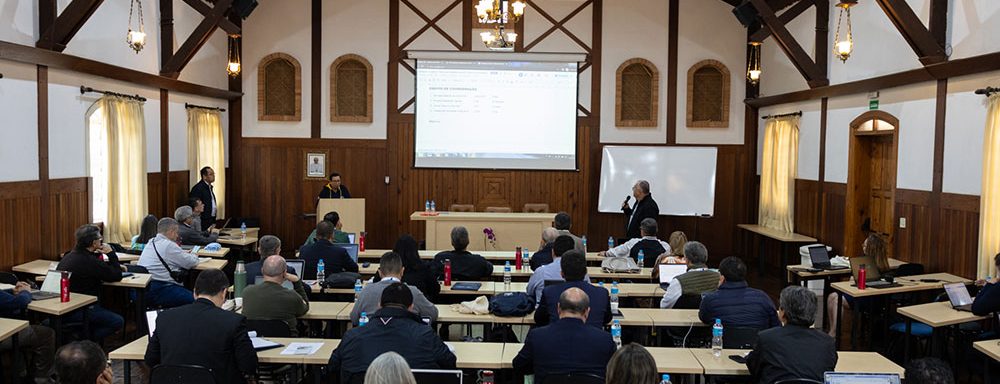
{"x": 499, "y": 12}
{"x": 842, "y": 47}
{"x": 136, "y": 39}
{"x": 753, "y": 63}
{"x": 233, "y": 65}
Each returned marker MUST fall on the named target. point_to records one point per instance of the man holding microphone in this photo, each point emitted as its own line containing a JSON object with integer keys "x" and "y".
{"x": 645, "y": 207}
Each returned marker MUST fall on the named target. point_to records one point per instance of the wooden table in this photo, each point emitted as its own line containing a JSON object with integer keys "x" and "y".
{"x": 795, "y": 274}
{"x": 672, "y": 317}
{"x": 860, "y": 362}
{"x": 512, "y": 229}
{"x": 211, "y": 264}
{"x": 675, "y": 361}
{"x": 57, "y": 309}
{"x": 990, "y": 348}
{"x": 784, "y": 238}
{"x": 478, "y": 355}
{"x": 36, "y": 267}
{"x": 493, "y": 256}
{"x": 9, "y": 329}
{"x": 221, "y": 253}
{"x": 938, "y": 314}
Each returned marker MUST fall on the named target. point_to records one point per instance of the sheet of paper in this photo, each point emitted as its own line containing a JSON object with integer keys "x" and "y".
{"x": 302, "y": 348}
{"x": 259, "y": 342}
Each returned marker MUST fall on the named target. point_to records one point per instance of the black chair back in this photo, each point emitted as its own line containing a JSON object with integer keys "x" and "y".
{"x": 356, "y": 378}
{"x": 909, "y": 269}
{"x": 573, "y": 378}
{"x": 8, "y": 278}
{"x": 689, "y": 301}
{"x": 187, "y": 374}
{"x": 798, "y": 381}
{"x": 739, "y": 338}
{"x": 269, "y": 328}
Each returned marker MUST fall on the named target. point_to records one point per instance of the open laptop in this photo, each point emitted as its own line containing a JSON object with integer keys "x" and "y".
{"x": 821, "y": 259}
{"x": 296, "y": 267}
{"x": 50, "y": 287}
{"x": 352, "y": 250}
{"x": 873, "y": 278}
{"x": 959, "y": 296}
{"x": 437, "y": 376}
{"x": 860, "y": 378}
{"x": 669, "y": 271}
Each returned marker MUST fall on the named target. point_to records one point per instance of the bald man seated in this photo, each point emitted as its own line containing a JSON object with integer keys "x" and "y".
{"x": 270, "y": 300}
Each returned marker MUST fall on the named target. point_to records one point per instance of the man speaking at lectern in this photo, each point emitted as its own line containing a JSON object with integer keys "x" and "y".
{"x": 335, "y": 189}
{"x": 645, "y": 207}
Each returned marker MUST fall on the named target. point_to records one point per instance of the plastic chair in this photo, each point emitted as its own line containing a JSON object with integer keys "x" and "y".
{"x": 573, "y": 378}
{"x": 536, "y": 208}
{"x": 498, "y": 209}
{"x": 462, "y": 208}
{"x": 187, "y": 374}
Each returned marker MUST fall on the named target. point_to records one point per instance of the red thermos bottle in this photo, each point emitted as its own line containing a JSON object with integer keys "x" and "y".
{"x": 64, "y": 287}
{"x": 447, "y": 273}
{"x": 361, "y": 242}
{"x": 862, "y": 276}
{"x": 517, "y": 259}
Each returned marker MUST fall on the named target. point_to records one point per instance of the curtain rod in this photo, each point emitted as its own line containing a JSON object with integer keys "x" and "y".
{"x": 799, "y": 113}
{"x": 187, "y": 105}
{"x": 85, "y": 89}
{"x": 987, "y": 91}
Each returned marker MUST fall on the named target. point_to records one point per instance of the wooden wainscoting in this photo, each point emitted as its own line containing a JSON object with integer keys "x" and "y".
{"x": 21, "y": 224}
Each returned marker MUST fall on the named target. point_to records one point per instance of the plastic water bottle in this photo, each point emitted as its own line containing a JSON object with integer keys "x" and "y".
{"x": 641, "y": 257}
{"x": 600, "y": 284}
{"x": 526, "y": 258}
{"x": 614, "y": 297}
{"x": 239, "y": 279}
{"x": 666, "y": 379}
{"x": 584, "y": 240}
{"x": 427, "y": 205}
{"x": 717, "y": 338}
{"x": 357, "y": 289}
{"x": 433, "y": 206}
{"x": 363, "y": 320}
{"x": 506, "y": 276}
{"x": 243, "y": 230}
{"x": 616, "y": 333}
{"x": 320, "y": 271}
{"x": 611, "y": 242}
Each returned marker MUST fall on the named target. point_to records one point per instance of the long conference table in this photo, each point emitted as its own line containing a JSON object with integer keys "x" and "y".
{"x": 526, "y": 271}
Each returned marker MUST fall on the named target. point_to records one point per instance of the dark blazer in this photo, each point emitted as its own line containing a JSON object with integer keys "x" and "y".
{"x": 222, "y": 342}
{"x": 328, "y": 193}
{"x": 600, "y": 304}
{"x": 335, "y": 259}
{"x": 542, "y": 257}
{"x": 791, "y": 352}
{"x": 424, "y": 278}
{"x": 465, "y": 265}
{"x": 89, "y": 271}
{"x": 566, "y": 346}
{"x": 987, "y": 300}
{"x": 204, "y": 192}
{"x": 739, "y": 306}
{"x": 645, "y": 208}
{"x": 390, "y": 329}
{"x": 191, "y": 236}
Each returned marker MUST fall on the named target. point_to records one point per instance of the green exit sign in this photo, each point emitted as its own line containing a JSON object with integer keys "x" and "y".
{"x": 873, "y": 104}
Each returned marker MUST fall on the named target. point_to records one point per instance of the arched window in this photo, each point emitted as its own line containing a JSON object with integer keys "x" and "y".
{"x": 637, "y": 89}
{"x": 708, "y": 95}
{"x": 279, "y": 88}
{"x": 351, "y": 89}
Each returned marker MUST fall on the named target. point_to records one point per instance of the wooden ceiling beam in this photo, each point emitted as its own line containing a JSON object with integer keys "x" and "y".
{"x": 198, "y": 38}
{"x": 204, "y": 10}
{"x": 814, "y": 75}
{"x": 785, "y": 18}
{"x": 920, "y": 39}
{"x": 57, "y": 34}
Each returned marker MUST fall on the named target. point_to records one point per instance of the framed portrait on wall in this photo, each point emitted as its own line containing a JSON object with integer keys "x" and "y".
{"x": 315, "y": 165}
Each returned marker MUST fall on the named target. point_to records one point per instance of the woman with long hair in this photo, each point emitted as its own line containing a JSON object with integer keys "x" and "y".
{"x": 417, "y": 272}
{"x": 876, "y": 248}
{"x": 146, "y": 231}
{"x": 677, "y": 241}
{"x": 632, "y": 364}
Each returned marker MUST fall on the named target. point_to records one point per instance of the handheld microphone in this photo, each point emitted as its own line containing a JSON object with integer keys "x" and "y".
{"x": 627, "y": 198}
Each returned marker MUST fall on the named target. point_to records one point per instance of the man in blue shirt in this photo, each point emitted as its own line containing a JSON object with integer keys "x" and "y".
{"x": 36, "y": 340}
{"x": 335, "y": 258}
{"x": 574, "y": 270}
{"x": 551, "y": 271}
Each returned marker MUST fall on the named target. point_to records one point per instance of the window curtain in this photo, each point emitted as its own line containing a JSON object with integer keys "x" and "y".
{"x": 127, "y": 198}
{"x": 989, "y": 201}
{"x": 206, "y": 147}
{"x": 778, "y": 171}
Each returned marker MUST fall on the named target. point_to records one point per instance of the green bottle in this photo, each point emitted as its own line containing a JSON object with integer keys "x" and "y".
{"x": 240, "y": 278}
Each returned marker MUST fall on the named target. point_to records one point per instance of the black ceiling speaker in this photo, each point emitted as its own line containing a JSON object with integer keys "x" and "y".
{"x": 745, "y": 13}
{"x": 243, "y": 8}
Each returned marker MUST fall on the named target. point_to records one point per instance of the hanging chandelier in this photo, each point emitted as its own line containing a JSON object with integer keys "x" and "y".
{"x": 136, "y": 38}
{"x": 499, "y": 12}
{"x": 843, "y": 46}
{"x": 233, "y": 62}
{"x": 753, "y": 64}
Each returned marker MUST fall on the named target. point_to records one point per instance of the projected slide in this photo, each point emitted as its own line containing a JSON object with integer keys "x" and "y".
{"x": 495, "y": 114}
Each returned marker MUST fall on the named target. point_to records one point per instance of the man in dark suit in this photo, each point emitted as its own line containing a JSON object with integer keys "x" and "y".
{"x": 574, "y": 270}
{"x": 335, "y": 258}
{"x": 568, "y": 345}
{"x": 645, "y": 207}
{"x": 335, "y": 189}
{"x": 793, "y": 351}
{"x": 204, "y": 191}
{"x": 465, "y": 265}
{"x": 222, "y": 343}
{"x": 189, "y": 234}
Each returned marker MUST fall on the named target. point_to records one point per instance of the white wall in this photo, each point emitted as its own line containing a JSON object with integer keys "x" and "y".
{"x": 19, "y": 134}
{"x": 17, "y": 21}
{"x": 965, "y": 124}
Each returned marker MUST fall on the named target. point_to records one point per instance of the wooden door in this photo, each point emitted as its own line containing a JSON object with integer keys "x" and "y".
{"x": 871, "y": 180}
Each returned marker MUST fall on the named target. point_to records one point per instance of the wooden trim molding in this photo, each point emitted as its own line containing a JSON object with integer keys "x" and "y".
{"x": 691, "y": 122}
{"x": 369, "y": 90}
{"x": 261, "y": 89}
{"x": 654, "y": 99}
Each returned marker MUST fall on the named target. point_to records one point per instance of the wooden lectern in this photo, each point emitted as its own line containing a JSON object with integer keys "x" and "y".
{"x": 352, "y": 213}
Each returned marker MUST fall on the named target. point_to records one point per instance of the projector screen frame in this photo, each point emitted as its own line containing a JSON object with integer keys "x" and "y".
{"x": 498, "y": 57}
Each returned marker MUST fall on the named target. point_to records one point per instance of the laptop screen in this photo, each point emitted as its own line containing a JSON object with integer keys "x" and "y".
{"x": 669, "y": 271}
{"x": 958, "y": 294}
{"x": 860, "y": 378}
{"x": 296, "y": 267}
{"x": 352, "y": 249}
{"x": 818, "y": 255}
{"x": 437, "y": 376}
{"x": 351, "y": 237}
{"x": 51, "y": 283}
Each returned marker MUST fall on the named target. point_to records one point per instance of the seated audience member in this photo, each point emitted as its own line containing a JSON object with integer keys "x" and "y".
{"x": 163, "y": 290}
{"x": 735, "y": 303}
{"x": 877, "y": 248}
{"x": 550, "y": 271}
{"x": 271, "y": 301}
{"x": 676, "y": 255}
{"x": 465, "y": 266}
{"x": 339, "y": 236}
{"x": 204, "y": 334}
{"x": 335, "y": 258}
{"x": 418, "y": 273}
{"x": 199, "y": 207}
{"x": 147, "y": 230}
{"x": 632, "y": 364}
{"x": 697, "y": 280}
{"x": 988, "y": 299}
{"x": 544, "y": 254}
{"x": 574, "y": 270}
{"x": 82, "y": 362}
{"x": 793, "y": 351}
{"x": 389, "y": 368}
{"x": 562, "y": 222}
{"x": 268, "y": 245}
{"x": 189, "y": 235}
{"x": 568, "y": 345}
{"x": 394, "y": 327}
{"x": 929, "y": 370}
{"x": 91, "y": 264}
{"x": 37, "y": 341}
{"x": 390, "y": 270}
{"x": 650, "y": 246}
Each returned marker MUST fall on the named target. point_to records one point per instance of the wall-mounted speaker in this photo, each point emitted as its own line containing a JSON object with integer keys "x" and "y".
{"x": 243, "y": 8}
{"x": 745, "y": 13}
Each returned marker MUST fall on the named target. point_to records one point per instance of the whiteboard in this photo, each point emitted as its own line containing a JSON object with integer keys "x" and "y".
{"x": 681, "y": 179}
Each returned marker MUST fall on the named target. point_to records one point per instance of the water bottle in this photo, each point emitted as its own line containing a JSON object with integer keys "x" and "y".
{"x": 357, "y": 289}
{"x": 243, "y": 231}
{"x": 584, "y": 240}
{"x": 517, "y": 259}
{"x": 447, "y": 273}
{"x": 239, "y": 278}
{"x": 526, "y": 258}
{"x": 506, "y": 276}
{"x": 665, "y": 379}
{"x": 320, "y": 271}
{"x": 862, "y": 277}
{"x": 717, "y": 338}
{"x": 614, "y": 297}
{"x": 361, "y": 241}
{"x": 640, "y": 258}
{"x": 64, "y": 287}
{"x": 433, "y": 206}
{"x": 611, "y": 242}
{"x": 363, "y": 320}
{"x": 616, "y": 333}
{"x": 427, "y": 205}
{"x": 600, "y": 284}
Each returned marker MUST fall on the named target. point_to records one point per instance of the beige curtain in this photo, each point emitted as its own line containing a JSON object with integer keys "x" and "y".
{"x": 778, "y": 171}
{"x": 127, "y": 198}
{"x": 206, "y": 147}
{"x": 989, "y": 201}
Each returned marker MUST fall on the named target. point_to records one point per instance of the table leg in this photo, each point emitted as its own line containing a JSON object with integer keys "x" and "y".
{"x": 822, "y": 300}
{"x": 86, "y": 325}
{"x": 839, "y": 320}
{"x": 906, "y": 345}
{"x": 855, "y": 325}
{"x": 127, "y": 371}
{"x": 316, "y": 371}
{"x": 140, "y": 311}
{"x": 760, "y": 256}
{"x": 57, "y": 324}
{"x": 986, "y": 369}
{"x": 17, "y": 358}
